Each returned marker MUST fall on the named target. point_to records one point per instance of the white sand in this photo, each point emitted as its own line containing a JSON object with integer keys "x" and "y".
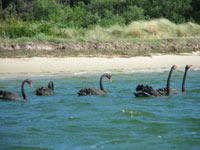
{"x": 79, "y": 64}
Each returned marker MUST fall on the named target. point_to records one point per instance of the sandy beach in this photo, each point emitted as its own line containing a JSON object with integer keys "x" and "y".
{"x": 95, "y": 64}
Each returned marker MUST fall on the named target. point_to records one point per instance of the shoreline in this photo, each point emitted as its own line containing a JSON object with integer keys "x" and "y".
{"x": 41, "y": 65}
{"x": 132, "y": 48}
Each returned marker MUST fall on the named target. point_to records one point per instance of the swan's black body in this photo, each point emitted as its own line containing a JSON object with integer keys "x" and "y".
{"x": 145, "y": 91}
{"x": 148, "y": 91}
{"x": 167, "y": 91}
{"x": 43, "y": 91}
{"x": 6, "y": 95}
{"x": 163, "y": 91}
{"x": 94, "y": 91}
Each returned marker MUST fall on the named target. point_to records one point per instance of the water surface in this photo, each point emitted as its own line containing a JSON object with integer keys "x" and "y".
{"x": 66, "y": 121}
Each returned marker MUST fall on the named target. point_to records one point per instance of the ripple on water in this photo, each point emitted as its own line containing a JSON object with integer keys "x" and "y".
{"x": 72, "y": 118}
{"x": 135, "y": 113}
{"x": 34, "y": 131}
{"x": 116, "y": 121}
{"x": 194, "y": 90}
{"x": 30, "y": 147}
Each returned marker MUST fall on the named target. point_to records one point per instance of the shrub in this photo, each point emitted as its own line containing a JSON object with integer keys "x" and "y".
{"x": 16, "y": 28}
{"x": 133, "y": 13}
{"x": 45, "y": 28}
{"x": 48, "y": 10}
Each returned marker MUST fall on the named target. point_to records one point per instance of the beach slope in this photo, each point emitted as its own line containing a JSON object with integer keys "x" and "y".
{"x": 39, "y": 65}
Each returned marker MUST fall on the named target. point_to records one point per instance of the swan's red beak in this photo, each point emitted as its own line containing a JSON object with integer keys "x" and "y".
{"x": 110, "y": 79}
{"x": 176, "y": 66}
{"x": 31, "y": 84}
{"x": 190, "y": 65}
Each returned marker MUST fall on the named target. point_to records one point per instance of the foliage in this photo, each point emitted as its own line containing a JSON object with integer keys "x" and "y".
{"x": 47, "y": 10}
{"x": 15, "y": 28}
{"x": 154, "y": 29}
{"x": 87, "y": 13}
{"x": 133, "y": 13}
{"x": 26, "y": 18}
{"x": 174, "y": 10}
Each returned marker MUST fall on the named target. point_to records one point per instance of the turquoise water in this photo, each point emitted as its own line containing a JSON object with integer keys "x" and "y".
{"x": 118, "y": 121}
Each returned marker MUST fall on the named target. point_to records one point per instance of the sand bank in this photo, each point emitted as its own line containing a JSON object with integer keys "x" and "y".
{"x": 97, "y": 64}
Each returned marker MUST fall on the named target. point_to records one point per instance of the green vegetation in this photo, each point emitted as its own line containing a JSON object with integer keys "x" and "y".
{"x": 97, "y": 20}
{"x": 12, "y": 30}
{"x": 108, "y": 28}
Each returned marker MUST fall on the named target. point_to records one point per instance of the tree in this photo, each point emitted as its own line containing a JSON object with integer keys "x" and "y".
{"x": 133, "y": 13}
{"x": 195, "y": 11}
{"x": 48, "y": 10}
{"x": 174, "y": 10}
{"x": 1, "y": 9}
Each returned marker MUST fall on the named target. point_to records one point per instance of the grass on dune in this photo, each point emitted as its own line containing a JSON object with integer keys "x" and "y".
{"x": 142, "y": 30}
{"x": 154, "y": 29}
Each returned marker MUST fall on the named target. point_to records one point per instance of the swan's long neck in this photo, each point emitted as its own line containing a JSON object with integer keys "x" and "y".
{"x": 51, "y": 85}
{"x": 101, "y": 84}
{"x": 168, "y": 81}
{"x": 184, "y": 78}
{"x": 22, "y": 90}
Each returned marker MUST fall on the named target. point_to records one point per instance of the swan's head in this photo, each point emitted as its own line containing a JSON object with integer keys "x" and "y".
{"x": 174, "y": 67}
{"x": 188, "y": 66}
{"x": 108, "y": 76}
{"x": 29, "y": 82}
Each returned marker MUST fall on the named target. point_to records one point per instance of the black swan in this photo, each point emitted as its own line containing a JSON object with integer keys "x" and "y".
{"x": 148, "y": 91}
{"x": 6, "y": 95}
{"x": 163, "y": 91}
{"x": 43, "y": 91}
{"x": 94, "y": 91}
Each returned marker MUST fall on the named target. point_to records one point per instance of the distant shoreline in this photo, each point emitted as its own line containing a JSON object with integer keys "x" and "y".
{"x": 39, "y": 65}
{"x": 128, "y": 49}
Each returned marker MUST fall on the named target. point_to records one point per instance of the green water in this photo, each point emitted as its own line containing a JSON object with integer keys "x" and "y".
{"x": 118, "y": 121}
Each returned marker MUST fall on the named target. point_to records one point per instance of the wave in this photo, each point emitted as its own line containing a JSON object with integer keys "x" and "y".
{"x": 85, "y": 73}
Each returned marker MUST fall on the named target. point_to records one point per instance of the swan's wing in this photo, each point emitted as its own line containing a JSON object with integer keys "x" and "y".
{"x": 83, "y": 92}
{"x": 163, "y": 91}
{"x": 174, "y": 91}
{"x": 145, "y": 91}
{"x": 95, "y": 91}
{"x": 144, "y": 88}
{"x": 6, "y": 95}
{"x": 51, "y": 85}
{"x": 142, "y": 94}
{"x": 91, "y": 91}
{"x": 44, "y": 91}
